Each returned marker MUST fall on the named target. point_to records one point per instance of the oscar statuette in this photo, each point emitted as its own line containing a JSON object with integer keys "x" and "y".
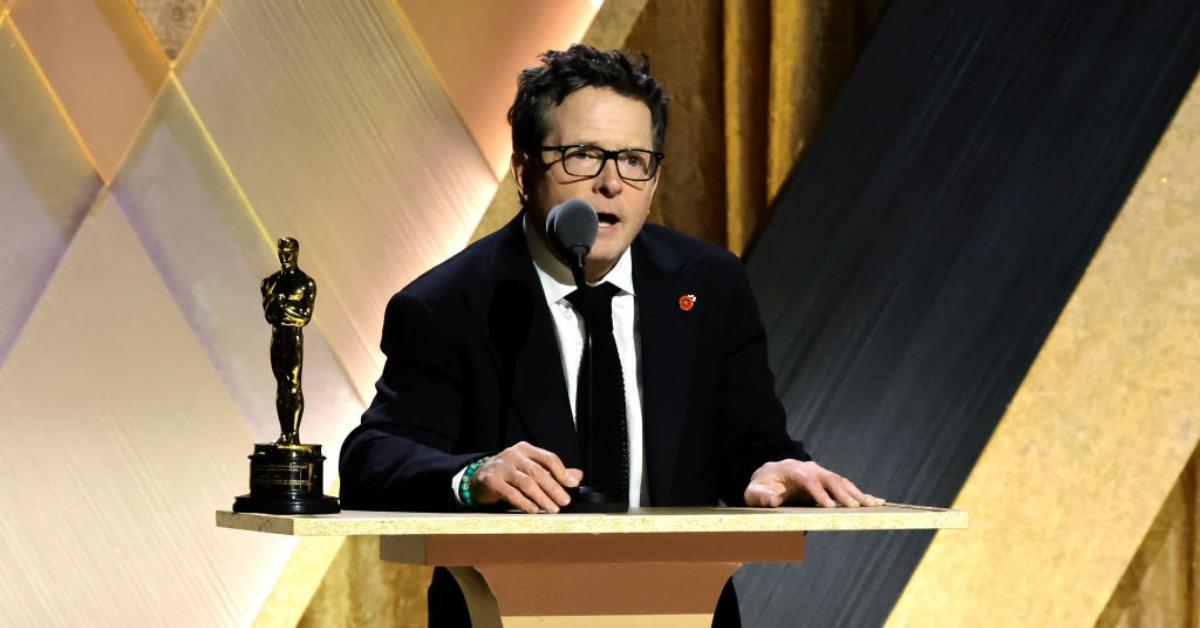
{"x": 286, "y": 475}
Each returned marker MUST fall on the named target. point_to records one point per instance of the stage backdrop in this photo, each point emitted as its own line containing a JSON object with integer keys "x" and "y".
{"x": 152, "y": 150}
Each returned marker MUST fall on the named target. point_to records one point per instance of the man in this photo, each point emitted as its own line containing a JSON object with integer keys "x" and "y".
{"x": 476, "y": 405}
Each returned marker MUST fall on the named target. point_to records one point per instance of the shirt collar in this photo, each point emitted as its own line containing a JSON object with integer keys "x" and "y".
{"x": 556, "y": 278}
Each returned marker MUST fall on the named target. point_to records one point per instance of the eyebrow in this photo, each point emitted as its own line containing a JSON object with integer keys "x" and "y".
{"x": 597, "y": 145}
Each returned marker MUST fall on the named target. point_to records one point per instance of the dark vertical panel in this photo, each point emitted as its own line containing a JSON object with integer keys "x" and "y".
{"x": 923, "y": 249}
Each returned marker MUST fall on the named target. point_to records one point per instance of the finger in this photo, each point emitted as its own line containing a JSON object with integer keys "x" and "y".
{"x": 552, "y": 463}
{"x": 804, "y": 481}
{"x": 818, "y": 493}
{"x": 576, "y": 476}
{"x": 516, "y": 499}
{"x": 863, "y": 498}
{"x": 836, "y": 485}
{"x": 759, "y": 496}
{"x": 533, "y": 491}
{"x": 549, "y": 485}
{"x": 866, "y": 498}
{"x": 855, "y": 492}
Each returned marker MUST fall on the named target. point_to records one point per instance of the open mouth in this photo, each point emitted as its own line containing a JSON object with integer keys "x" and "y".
{"x": 607, "y": 219}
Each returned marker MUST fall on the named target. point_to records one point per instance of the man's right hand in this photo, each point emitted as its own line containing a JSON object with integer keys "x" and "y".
{"x": 528, "y": 478}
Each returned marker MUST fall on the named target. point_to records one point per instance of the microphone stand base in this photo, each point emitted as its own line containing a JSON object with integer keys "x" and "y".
{"x": 588, "y": 499}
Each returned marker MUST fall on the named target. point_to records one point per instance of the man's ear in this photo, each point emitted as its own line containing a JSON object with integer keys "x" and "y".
{"x": 517, "y": 165}
{"x": 654, "y": 183}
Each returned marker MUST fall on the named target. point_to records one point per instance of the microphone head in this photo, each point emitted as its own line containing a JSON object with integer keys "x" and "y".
{"x": 572, "y": 227}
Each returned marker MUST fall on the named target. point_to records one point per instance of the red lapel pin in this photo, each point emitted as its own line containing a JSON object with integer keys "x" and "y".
{"x": 687, "y": 302}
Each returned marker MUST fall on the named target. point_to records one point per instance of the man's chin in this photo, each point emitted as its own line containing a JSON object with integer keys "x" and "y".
{"x": 600, "y": 262}
{"x": 609, "y": 243}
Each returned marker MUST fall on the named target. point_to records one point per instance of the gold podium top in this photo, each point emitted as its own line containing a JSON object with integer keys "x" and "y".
{"x": 636, "y": 521}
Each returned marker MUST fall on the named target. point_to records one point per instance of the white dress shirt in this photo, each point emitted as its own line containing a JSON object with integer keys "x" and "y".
{"x": 557, "y": 283}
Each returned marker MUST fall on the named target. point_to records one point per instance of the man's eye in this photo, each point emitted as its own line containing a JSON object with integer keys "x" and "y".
{"x": 583, "y": 153}
{"x": 636, "y": 160}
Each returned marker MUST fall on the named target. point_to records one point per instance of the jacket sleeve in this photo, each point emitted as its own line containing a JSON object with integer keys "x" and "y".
{"x": 753, "y": 421}
{"x": 401, "y": 456}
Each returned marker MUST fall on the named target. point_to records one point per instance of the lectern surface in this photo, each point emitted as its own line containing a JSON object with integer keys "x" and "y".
{"x": 636, "y": 521}
{"x": 649, "y": 567}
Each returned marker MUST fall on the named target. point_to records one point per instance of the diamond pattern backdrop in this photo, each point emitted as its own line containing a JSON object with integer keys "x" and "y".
{"x": 151, "y": 151}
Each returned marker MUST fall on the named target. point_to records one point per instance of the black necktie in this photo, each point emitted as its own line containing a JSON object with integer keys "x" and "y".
{"x": 604, "y": 417}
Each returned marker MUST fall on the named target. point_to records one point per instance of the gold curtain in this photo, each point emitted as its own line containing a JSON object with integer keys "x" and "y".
{"x": 751, "y": 83}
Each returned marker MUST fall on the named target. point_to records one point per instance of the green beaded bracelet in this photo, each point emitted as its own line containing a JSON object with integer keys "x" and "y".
{"x": 464, "y": 485}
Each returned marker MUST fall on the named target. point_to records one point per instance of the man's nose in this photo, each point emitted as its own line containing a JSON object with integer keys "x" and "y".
{"x": 609, "y": 182}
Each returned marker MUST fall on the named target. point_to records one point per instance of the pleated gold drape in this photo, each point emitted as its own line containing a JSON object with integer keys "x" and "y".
{"x": 751, "y": 82}
{"x": 784, "y": 64}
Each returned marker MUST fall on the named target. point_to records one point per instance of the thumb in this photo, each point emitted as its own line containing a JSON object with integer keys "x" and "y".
{"x": 759, "y": 496}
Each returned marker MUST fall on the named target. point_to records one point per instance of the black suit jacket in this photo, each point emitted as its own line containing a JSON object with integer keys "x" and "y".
{"x": 473, "y": 367}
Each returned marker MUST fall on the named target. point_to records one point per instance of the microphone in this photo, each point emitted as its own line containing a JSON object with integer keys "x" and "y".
{"x": 572, "y": 227}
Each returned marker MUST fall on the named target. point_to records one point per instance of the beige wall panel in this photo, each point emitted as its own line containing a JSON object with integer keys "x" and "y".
{"x": 171, "y": 21}
{"x": 1099, "y": 431}
{"x": 609, "y": 29}
{"x": 340, "y": 135}
{"x": 119, "y": 443}
{"x": 1160, "y": 588}
{"x": 46, "y": 185}
{"x": 211, "y": 253}
{"x": 479, "y": 52}
{"x": 103, "y": 64}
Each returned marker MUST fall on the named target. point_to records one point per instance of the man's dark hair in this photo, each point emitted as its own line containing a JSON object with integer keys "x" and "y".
{"x": 563, "y": 72}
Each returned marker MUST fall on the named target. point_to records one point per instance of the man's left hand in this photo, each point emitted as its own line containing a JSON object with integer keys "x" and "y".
{"x": 793, "y": 481}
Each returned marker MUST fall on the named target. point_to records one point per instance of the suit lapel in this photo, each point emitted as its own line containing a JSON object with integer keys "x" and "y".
{"x": 520, "y": 332}
{"x": 668, "y": 341}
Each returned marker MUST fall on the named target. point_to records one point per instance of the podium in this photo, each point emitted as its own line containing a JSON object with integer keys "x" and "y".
{"x": 661, "y": 567}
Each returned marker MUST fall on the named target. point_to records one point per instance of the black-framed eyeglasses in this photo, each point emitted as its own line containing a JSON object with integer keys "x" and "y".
{"x": 633, "y": 164}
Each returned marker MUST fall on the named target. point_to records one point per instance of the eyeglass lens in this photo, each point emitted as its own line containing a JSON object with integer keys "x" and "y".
{"x": 587, "y": 161}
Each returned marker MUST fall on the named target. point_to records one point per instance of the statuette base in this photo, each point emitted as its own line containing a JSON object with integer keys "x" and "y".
{"x": 286, "y": 480}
